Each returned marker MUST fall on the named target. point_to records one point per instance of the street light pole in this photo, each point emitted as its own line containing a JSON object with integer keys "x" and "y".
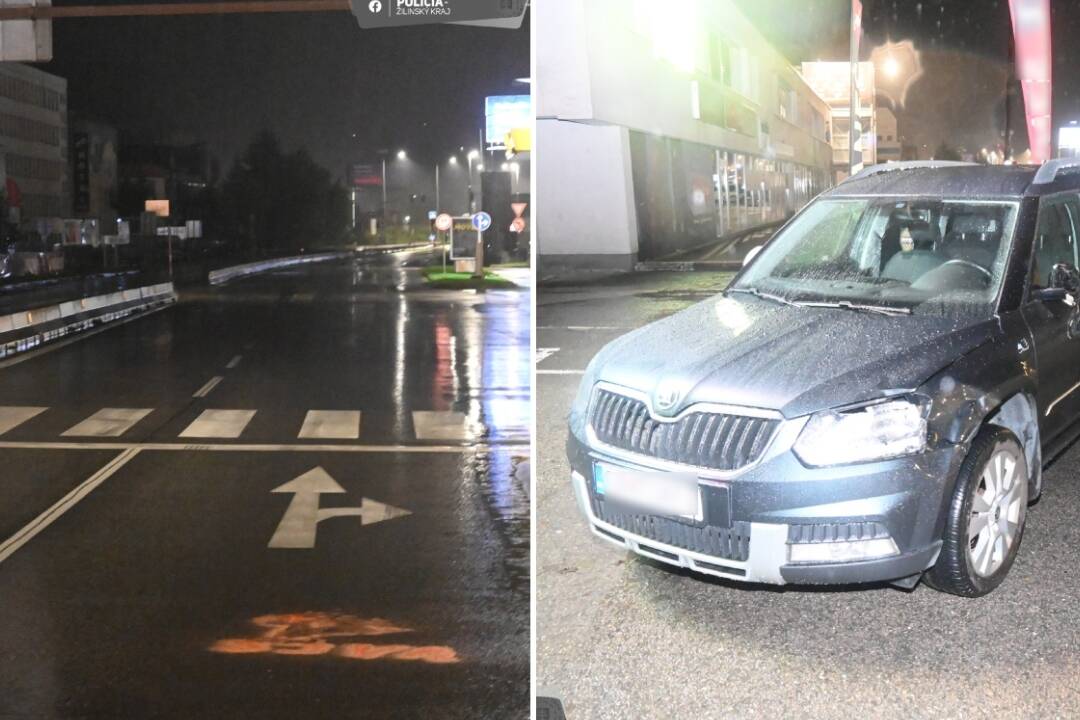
{"x": 384, "y": 189}
{"x": 438, "y": 205}
{"x": 469, "y": 201}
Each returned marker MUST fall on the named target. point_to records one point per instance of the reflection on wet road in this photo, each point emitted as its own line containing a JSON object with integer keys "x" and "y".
{"x": 300, "y": 495}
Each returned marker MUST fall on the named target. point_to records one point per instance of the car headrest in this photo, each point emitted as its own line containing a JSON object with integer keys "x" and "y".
{"x": 923, "y": 234}
{"x": 973, "y": 225}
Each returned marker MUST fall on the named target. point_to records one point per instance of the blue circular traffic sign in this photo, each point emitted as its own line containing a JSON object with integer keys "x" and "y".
{"x": 481, "y": 221}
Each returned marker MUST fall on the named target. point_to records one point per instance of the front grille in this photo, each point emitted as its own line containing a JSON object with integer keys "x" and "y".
{"x": 702, "y": 439}
{"x": 728, "y": 543}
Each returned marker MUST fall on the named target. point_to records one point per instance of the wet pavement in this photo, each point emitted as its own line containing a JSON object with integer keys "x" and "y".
{"x": 299, "y": 495}
{"x": 619, "y": 636}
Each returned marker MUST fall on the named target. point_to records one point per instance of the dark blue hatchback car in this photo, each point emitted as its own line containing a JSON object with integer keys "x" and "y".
{"x": 873, "y": 398}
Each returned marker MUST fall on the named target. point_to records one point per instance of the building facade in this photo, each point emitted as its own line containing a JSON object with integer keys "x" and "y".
{"x": 659, "y": 131}
{"x": 890, "y": 148}
{"x": 94, "y": 172}
{"x": 832, "y": 81}
{"x": 34, "y": 142}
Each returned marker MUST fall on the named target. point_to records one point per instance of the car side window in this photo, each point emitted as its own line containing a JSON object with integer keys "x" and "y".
{"x": 1055, "y": 239}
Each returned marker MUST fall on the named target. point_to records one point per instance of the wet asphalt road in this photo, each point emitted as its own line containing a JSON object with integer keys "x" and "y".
{"x": 619, "y": 636}
{"x": 167, "y": 573}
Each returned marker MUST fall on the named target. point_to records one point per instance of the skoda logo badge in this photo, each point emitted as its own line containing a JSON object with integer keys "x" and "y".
{"x": 667, "y": 395}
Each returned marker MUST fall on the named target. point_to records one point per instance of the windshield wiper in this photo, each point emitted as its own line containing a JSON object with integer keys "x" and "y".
{"x": 848, "y": 305}
{"x": 765, "y": 296}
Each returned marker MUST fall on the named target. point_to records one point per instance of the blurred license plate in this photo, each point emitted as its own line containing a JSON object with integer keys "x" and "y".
{"x": 659, "y": 493}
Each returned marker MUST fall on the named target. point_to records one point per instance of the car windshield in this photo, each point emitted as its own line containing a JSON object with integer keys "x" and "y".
{"x": 892, "y": 254}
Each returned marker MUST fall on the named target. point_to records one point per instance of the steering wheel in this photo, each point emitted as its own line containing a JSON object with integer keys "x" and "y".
{"x": 968, "y": 263}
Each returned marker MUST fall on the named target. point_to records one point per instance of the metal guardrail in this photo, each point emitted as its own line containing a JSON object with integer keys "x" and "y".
{"x": 28, "y": 329}
{"x": 223, "y": 275}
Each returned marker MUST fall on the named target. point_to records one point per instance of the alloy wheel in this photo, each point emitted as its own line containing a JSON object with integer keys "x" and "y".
{"x": 997, "y": 511}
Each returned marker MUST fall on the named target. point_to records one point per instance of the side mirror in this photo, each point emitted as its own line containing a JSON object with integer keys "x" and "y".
{"x": 1064, "y": 280}
{"x": 1065, "y": 276}
{"x": 751, "y": 254}
{"x": 1049, "y": 294}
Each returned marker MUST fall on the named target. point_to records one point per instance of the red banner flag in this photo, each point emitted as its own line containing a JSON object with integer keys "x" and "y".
{"x": 1031, "y": 27}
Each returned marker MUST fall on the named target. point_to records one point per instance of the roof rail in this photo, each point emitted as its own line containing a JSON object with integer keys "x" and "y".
{"x": 906, "y": 165}
{"x": 1052, "y": 168}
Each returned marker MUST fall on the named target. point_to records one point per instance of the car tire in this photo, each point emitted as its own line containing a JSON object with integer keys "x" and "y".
{"x": 986, "y": 515}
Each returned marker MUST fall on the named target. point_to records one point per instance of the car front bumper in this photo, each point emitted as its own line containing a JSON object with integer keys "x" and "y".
{"x": 780, "y": 503}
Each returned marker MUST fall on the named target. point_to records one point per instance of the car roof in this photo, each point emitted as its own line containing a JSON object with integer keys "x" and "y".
{"x": 956, "y": 181}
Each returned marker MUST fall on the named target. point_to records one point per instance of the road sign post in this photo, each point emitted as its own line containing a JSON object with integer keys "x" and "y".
{"x": 481, "y": 221}
{"x": 444, "y": 223}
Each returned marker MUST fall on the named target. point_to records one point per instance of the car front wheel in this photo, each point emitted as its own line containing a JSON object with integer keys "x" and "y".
{"x": 986, "y": 517}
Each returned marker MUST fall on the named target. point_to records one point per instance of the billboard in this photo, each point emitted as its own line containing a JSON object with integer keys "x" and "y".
{"x": 462, "y": 238}
{"x": 506, "y": 113}
{"x": 365, "y": 175}
{"x": 157, "y": 207}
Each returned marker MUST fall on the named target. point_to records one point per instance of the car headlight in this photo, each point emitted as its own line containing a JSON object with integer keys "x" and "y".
{"x": 871, "y": 432}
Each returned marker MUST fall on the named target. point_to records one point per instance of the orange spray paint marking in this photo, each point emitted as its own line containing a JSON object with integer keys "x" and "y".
{"x": 426, "y": 653}
{"x": 310, "y": 634}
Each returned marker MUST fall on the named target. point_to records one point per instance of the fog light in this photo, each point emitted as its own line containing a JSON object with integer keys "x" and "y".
{"x": 843, "y": 550}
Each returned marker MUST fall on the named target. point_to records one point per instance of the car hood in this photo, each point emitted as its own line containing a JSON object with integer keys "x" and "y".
{"x": 748, "y": 351}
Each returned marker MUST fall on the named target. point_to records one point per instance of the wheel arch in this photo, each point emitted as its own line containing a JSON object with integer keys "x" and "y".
{"x": 1019, "y": 413}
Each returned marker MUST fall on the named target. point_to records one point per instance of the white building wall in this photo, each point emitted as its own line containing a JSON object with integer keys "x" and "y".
{"x": 591, "y": 218}
{"x": 37, "y": 164}
{"x": 614, "y": 66}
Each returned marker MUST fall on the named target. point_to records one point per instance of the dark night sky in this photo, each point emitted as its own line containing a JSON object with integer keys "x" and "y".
{"x": 965, "y": 50}
{"x": 313, "y": 78}
{"x": 317, "y": 78}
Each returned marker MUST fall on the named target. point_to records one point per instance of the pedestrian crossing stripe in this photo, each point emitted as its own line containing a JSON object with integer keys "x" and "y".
{"x": 433, "y": 425}
{"x": 219, "y": 424}
{"x": 108, "y": 422}
{"x": 331, "y": 425}
{"x": 11, "y": 416}
{"x": 441, "y": 425}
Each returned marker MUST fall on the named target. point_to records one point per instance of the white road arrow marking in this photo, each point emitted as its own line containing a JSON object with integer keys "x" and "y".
{"x": 297, "y": 528}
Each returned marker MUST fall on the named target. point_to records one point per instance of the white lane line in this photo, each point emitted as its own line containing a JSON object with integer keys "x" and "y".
{"x": 440, "y": 425}
{"x": 239, "y": 447}
{"x": 560, "y": 372}
{"x": 234, "y": 362}
{"x": 544, "y": 353}
{"x": 108, "y": 422}
{"x": 42, "y": 521}
{"x": 210, "y": 385}
{"x": 12, "y": 416}
{"x": 331, "y": 425}
{"x": 219, "y": 424}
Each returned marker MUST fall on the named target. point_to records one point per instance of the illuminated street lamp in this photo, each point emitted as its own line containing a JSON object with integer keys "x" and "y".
{"x": 400, "y": 156}
{"x": 470, "y": 200}
{"x": 891, "y": 67}
{"x": 452, "y": 161}
{"x": 897, "y": 66}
